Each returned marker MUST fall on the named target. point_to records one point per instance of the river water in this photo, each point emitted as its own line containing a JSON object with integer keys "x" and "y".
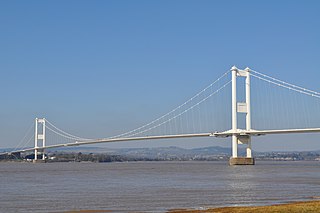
{"x": 153, "y": 186}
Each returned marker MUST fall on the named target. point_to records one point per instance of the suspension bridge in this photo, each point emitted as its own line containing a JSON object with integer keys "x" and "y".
{"x": 240, "y": 104}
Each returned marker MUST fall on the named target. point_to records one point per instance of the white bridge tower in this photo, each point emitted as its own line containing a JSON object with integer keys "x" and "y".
{"x": 40, "y": 135}
{"x": 241, "y": 107}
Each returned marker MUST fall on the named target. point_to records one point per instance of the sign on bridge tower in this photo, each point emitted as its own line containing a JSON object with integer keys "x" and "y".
{"x": 40, "y": 135}
{"x": 241, "y": 107}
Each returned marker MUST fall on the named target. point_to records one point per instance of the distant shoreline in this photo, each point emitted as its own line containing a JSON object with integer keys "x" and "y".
{"x": 147, "y": 160}
{"x": 213, "y": 153}
{"x": 141, "y": 160}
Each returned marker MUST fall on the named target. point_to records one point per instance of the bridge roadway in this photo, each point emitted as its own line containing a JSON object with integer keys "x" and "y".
{"x": 215, "y": 134}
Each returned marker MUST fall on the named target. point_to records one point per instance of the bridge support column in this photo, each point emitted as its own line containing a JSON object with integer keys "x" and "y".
{"x": 241, "y": 108}
{"x": 249, "y": 152}
{"x": 248, "y": 113}
{"x": 234, "y": 71}
{"x": 39, "y": 136}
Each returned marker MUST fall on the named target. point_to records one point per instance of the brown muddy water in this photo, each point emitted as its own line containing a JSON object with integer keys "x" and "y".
{"x": 153, "y": 186}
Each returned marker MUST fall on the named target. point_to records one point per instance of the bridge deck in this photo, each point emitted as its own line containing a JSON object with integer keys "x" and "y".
{"x": 215, "y": 134}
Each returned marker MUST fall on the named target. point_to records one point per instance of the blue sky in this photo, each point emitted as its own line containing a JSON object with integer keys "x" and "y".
{"x": 97, "y": 67}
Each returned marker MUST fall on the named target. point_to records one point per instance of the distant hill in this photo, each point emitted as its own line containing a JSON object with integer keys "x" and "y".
{"x": 204, "y": 153}
{"x": 158, "y": 152}
{"x": 177, "y": 153}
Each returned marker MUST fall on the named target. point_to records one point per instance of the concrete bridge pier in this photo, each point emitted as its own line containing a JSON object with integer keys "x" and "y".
{"x": 241, "y": 161}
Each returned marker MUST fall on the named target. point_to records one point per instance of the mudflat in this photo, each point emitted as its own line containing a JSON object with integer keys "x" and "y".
{"x": 296, "y": 207}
